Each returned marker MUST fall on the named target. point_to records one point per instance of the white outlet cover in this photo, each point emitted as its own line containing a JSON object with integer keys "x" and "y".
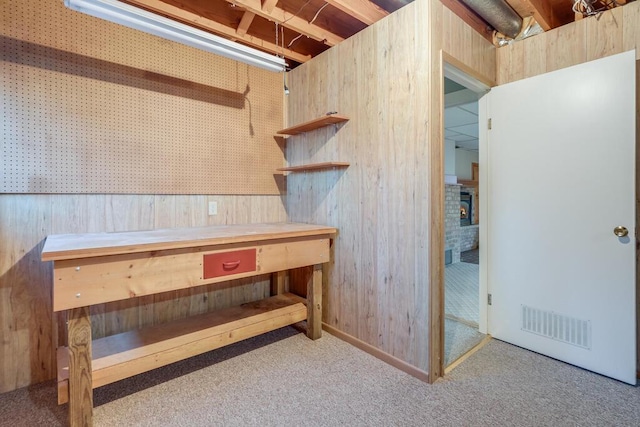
{"x": 213, "y": 208}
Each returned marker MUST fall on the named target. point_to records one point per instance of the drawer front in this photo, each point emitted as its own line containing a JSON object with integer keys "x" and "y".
{"x": 228, "y": 263}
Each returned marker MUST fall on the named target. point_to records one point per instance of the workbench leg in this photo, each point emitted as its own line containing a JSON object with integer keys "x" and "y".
{"x": 80, "y": 390}
{"x": 277, "y": 282}
{"x": 314, "y": 303}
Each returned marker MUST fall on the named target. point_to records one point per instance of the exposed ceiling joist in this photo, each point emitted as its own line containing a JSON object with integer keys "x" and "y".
{"x": 290, "y": 21}
{"x": 542, "y": 12}
{"x": 268, "y": 5}
{"x": 325, "y": 23}
{"x": 245, "y": 23}
{"x": 216, "y": 27}
{"x": 363, "y": 10}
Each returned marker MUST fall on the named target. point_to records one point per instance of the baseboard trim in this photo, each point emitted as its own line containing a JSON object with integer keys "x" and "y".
{"x": 465, "y": 356}
{"x": 377, "y": 353}
{"x": 461, "y": 320}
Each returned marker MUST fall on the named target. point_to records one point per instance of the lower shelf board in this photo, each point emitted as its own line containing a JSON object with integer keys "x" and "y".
{"x": 130, "y": 353}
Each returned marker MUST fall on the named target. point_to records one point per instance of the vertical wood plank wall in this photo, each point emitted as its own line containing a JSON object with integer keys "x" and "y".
{"x": 28, "y": 328}
{"x": 383, "y": 79}
{"x": 614, "y": 31}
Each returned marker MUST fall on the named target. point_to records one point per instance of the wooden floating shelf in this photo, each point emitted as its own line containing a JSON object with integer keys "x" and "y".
{"x": 314, "y": 167}
{"x": 327, "y": 120}
{"x": 130, "y": 353}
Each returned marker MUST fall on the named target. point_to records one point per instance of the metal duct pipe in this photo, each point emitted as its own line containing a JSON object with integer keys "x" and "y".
{"x": 498, "y": 14}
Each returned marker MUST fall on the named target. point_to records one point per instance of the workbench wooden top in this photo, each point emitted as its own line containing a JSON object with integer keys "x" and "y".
{"x": 73, "y": 246}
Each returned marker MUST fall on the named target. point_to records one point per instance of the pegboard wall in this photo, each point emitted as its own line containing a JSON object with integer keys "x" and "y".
{"x": 89, "y": 106}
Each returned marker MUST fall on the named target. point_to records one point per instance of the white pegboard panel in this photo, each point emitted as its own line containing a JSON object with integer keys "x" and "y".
{"x": 92, "y": 107}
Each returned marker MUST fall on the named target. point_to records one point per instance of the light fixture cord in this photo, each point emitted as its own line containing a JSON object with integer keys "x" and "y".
{"x": 310, "y": 22}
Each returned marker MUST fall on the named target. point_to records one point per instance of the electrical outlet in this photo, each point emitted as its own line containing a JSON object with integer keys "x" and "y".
{"x": 213, "y": 208}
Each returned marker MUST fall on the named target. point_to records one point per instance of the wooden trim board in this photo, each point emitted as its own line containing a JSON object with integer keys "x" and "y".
{"x": 74, "y": 246}
{"x": 377, "y": 353}
{"x": 437, "y": 238}
{"x": 120, "y": 356}
{"x": 468, "y": 354}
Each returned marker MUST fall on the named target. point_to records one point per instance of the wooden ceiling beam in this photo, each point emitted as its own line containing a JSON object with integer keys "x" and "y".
{"x": 542, "y": 11}
{"x": 215, "y": 27}
{"x": 268, "y": 5}
{"x": 363, "y": 10}
{"x": 245, "y": 23}
{"x": 290, "y": 21}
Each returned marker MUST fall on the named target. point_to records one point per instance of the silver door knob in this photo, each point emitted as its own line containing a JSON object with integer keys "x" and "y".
{"x": 621, "y": 231}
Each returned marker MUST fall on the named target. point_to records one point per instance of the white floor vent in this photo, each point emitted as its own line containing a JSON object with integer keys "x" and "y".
{"x": 557, "y": 327}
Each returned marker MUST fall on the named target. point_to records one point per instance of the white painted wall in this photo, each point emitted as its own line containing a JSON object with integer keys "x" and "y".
{"x": 463, "y": 160}
{"x": 449, "y": 157}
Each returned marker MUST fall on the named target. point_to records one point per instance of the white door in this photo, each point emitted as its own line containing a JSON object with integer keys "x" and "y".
{"x": 560, "y": 177}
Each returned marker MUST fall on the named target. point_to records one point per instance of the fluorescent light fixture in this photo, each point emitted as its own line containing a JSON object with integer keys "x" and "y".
{"x": 139, "y": 19}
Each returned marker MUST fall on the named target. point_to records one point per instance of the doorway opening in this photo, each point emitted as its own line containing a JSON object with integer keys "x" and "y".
{"x": 464, "y": 323}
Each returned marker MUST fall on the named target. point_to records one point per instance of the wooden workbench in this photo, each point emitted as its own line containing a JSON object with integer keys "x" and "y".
{"x": 102, "y": 267}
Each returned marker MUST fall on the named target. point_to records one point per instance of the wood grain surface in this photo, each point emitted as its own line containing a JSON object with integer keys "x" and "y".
{"x": 30, "y": 332}
{"x": 84, "y": 245}
{"x": 383, "y": 204}
{"x": 130, "y": 353}
{"x": 95, "y": 107}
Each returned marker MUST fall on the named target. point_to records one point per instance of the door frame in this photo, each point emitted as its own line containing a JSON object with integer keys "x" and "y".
{"x": 470, "y": 78}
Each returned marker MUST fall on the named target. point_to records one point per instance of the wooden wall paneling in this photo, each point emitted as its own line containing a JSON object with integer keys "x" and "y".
{"x": 565, "y": 45}
{"x": 534, "y": 57}
{"x": 374, "y": 295}
{"x": 362, "y": 73}
{"x": 510, "y": 64}
{"x": 380, "y": 271}
{"x": 401, "y": 154}
{"x": 604, "y": 34}
{"x": 630, "y": 28}
{"x": 26, "y": 333}
{"x": 387, "y": 273}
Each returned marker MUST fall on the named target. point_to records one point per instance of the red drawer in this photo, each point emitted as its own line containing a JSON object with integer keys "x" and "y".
{"x": 227, "y": 263}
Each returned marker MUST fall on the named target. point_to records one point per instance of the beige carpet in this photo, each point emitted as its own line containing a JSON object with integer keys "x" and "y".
{"x": 284, "y": 379}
